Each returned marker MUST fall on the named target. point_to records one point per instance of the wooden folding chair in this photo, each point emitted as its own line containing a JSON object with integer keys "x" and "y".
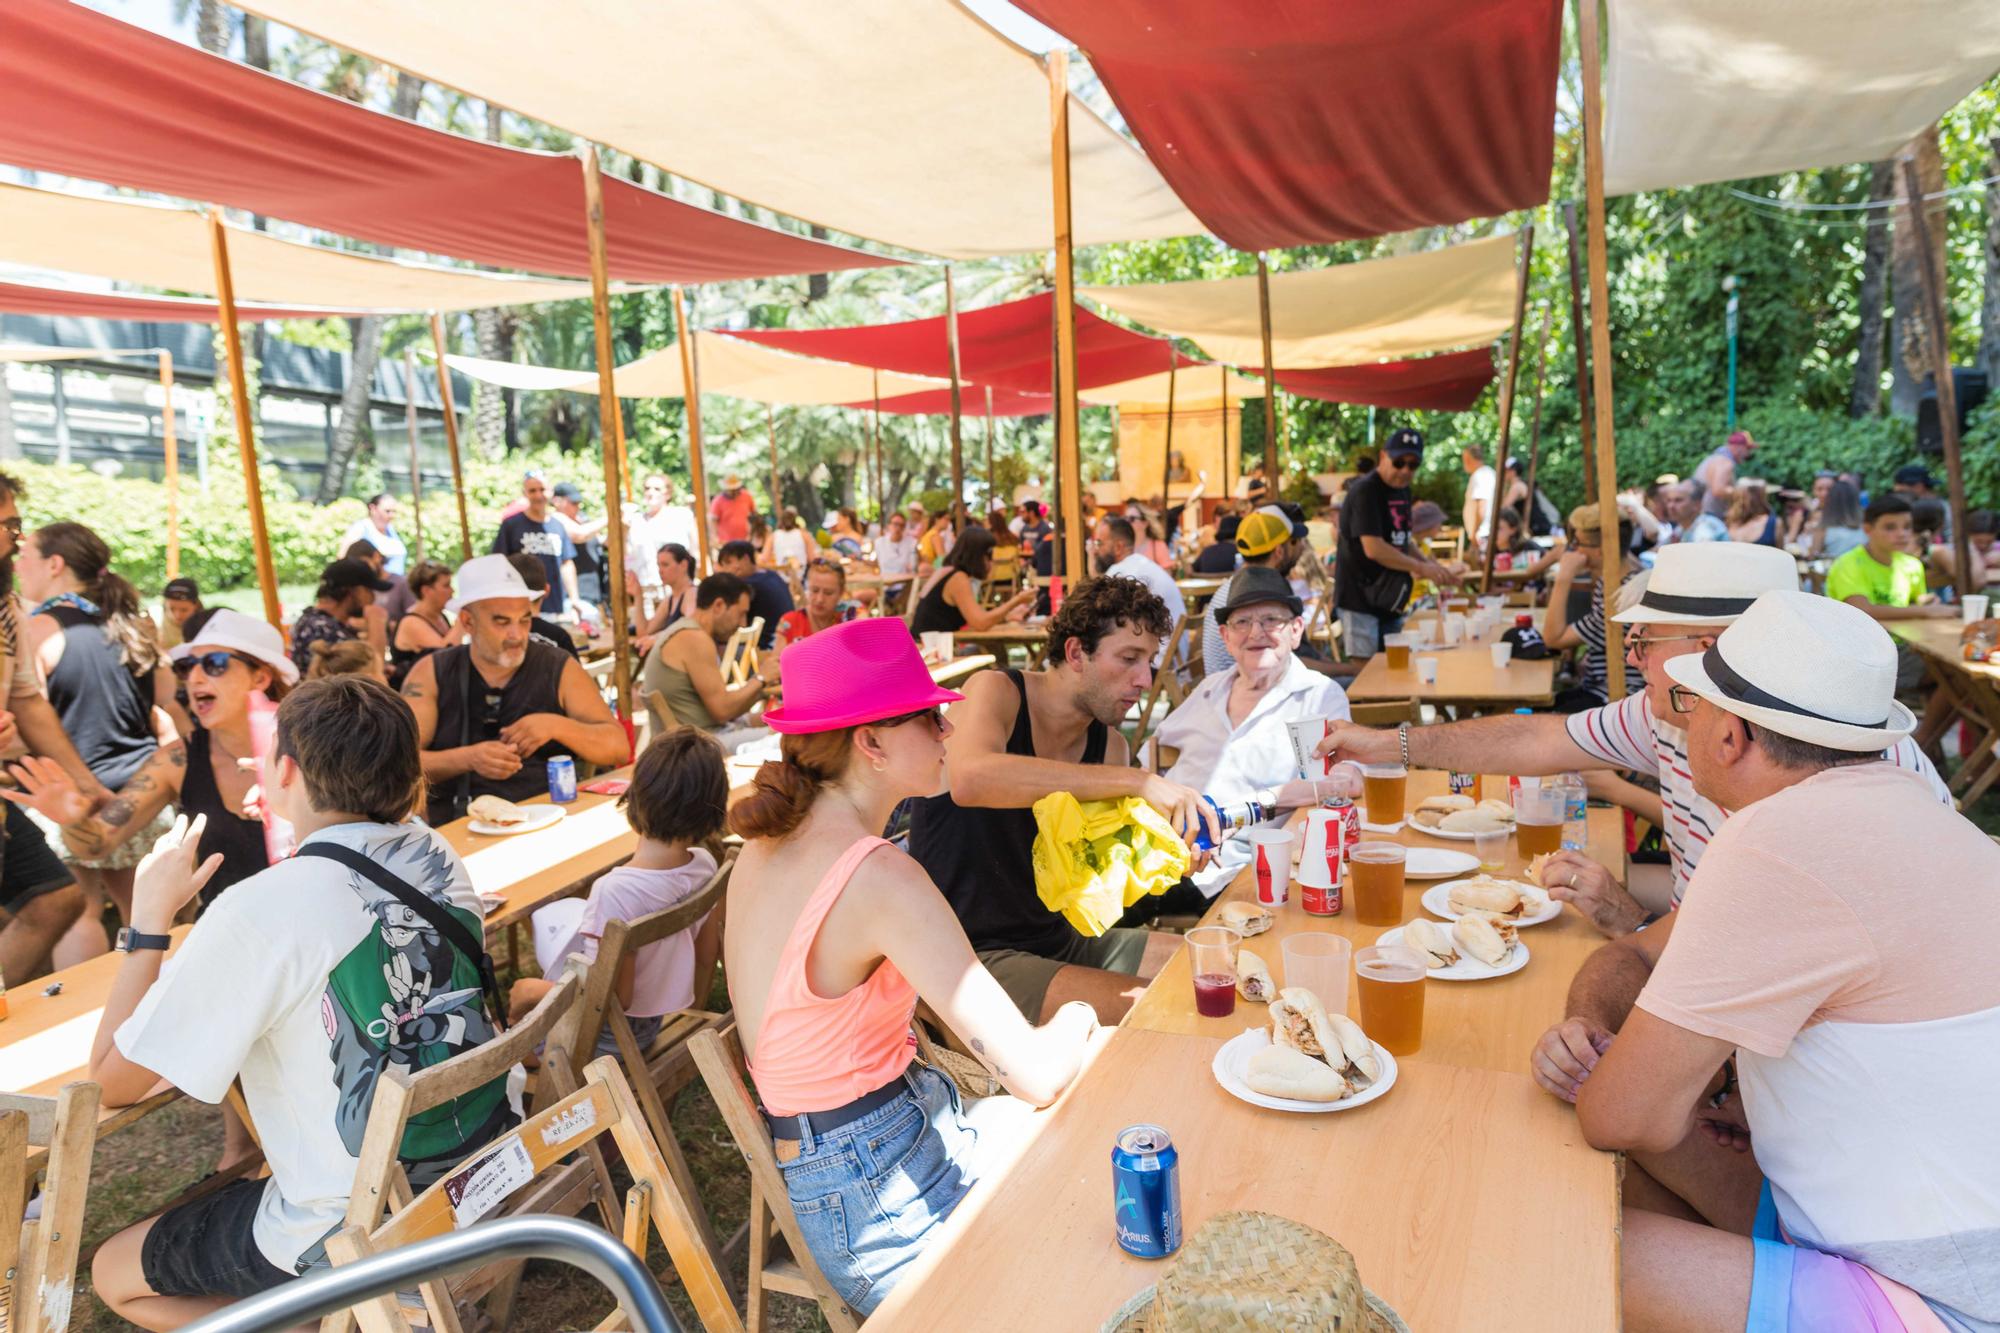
{"x": 739, "y": 656}
{"x": 1169, "y": 680}
{"x": 719, "y": 1056}
{"x": 1385, "y": 714}
{"x": 497, "y": 1174}
{"x": 660, "y": 714}
{"x": 40, "y": 1255}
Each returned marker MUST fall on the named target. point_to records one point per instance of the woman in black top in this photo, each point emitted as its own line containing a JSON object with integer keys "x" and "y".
{"x": 99, "y": 658}
{"x": 426, "y": 628}
{"x": 950, "y": 603}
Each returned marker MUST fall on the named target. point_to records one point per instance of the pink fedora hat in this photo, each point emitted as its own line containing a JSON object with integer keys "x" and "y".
{"x": 862, "y": 671}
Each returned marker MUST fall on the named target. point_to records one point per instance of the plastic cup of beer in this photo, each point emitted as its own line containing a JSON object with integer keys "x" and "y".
{"x": 1317, "y": 960}
{"x": 1975, "y": 605}
{"x": 1538, "y": 819}
{"x": 1212, "y": 959}
{"x": 1490, "y": 845}
{"x": 1382, "y": 789}
{"x": 1391, "y": 982}
{"x": 1398, "y": 648}
{"x": 1376, "y": 879}
{"x": 1427, "y": 670}
{"x": 1503, "y": 653}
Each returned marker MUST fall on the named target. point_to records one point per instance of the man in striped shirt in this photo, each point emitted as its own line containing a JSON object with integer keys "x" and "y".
{"x": 1696, "y": 591}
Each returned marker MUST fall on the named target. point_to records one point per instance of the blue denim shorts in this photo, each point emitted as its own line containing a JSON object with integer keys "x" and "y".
{"x": 870, "y": 1194}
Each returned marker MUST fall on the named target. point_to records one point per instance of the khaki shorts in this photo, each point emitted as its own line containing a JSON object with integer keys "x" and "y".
{"x": 1026, "y": 976}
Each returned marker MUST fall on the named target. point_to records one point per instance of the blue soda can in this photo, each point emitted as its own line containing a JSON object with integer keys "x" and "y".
{"x": 1230, "y": 816}
{"x": 562, "y": 779}
{"x": 1146, "y": 1177}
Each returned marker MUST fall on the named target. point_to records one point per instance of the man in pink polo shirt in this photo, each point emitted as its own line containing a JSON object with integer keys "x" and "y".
{"x": 1837, "y": 943}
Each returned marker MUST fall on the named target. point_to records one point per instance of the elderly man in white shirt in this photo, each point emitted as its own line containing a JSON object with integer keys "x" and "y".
{"x": 1230, "y": 731}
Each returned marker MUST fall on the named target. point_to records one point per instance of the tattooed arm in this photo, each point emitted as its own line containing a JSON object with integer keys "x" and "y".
{"x": 46, "y": 788}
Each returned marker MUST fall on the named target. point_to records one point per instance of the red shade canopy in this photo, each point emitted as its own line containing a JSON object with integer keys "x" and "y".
{"x": 86, "y": 95}
{"x": 1008, "y": 346}
{"x": 23, "y": 298}
{"x": 1295, "y": 122}
{"x": 1449, "y": 383}
{"x": 937, "y": 402}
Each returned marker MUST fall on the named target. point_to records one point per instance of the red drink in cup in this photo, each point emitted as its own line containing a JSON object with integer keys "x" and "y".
{"x": 1214, "y": 994}
{"x": 1212, "y": 959}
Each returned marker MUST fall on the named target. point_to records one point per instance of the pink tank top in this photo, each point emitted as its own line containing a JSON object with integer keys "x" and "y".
{"x": 814, "y": 1053}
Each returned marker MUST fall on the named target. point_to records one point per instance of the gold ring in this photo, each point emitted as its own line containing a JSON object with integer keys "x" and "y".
{"x": 1572, "y": 879}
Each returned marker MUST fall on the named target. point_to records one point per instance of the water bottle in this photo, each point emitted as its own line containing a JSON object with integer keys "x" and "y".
{"x": 1576, "y": 830}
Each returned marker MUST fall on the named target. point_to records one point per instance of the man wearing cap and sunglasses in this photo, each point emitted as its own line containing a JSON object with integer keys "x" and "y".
{"x": 1376, "y": 561}
{"x": 1838, "y": 944}
{"x": 347, "y": 589}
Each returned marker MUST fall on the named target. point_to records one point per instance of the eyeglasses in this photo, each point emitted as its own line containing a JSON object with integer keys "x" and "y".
{"x": 1404, "y": 464}
{"x": 1682, "y": 699}
{"x": 12, "y": 526}
{"x": 211, "y": 663}
{"x": 1260, "y": 624}
{"x": 1638, "y": 640}
{"x": 935, "y": 714}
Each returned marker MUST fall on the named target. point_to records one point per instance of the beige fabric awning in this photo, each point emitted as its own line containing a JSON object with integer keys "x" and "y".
{"x": 26, "y": 352}
{"x": 905, "y": 121}
{"x": 1712, "y": 90}
{"x": 727, "y": 366}
{"x": 156, "y": 245}
{"x": 1346, "y": 315}
{"x": 1193, "y": 386}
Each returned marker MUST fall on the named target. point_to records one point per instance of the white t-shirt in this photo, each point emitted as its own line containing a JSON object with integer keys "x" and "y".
{"x": 645, "y": 535}
{"x": 1480, "y": 485}
{"x": 788, "y": 547}
{"x": 663, "y": 973}
{"x": 1160, "y": 583}
{"x": 394, "y": 552}
{"x": 308, "y": 981}
{"x": 895, "y": 557}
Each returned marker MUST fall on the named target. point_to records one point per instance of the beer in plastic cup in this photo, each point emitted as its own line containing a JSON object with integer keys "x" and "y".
{"x": 1377, "y": 881}
{"x": 1317, "y": 960}
{"x": 1212, "y": 959}
{"x": 1382, "y": 788}
{"x": 1538, "y": 819}
{"x": 1398, "y": 648}
{"x": 1391, "y": 982}
{"x": 1427, "y": 670}
{"x": 1271, "y": 861}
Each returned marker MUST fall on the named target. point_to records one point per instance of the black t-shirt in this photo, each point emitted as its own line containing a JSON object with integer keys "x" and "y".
{"x": 1372, "y": 508}
{"x": 1216, "y": 558}
{"x": 547, "y": 541}
{"x": 590, "y": 565}
{"x": 770, "y": 597}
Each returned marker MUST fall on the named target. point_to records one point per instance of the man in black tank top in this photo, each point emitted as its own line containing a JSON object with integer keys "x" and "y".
{"x": 493, "y": 711}
{"x": 1016, "y": 738}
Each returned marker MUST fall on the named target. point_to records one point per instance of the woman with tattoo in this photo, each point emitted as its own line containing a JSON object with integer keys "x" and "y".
{"x": 832, "y": 935}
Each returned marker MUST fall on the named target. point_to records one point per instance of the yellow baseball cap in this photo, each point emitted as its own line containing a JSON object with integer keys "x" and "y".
{"x": 1262, "y": 533}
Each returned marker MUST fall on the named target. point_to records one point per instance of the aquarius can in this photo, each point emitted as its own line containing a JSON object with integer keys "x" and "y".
{"x": 562, "y": 779}
{"x": 1229, "y": 817}
{"x": 1146, "y": 1184}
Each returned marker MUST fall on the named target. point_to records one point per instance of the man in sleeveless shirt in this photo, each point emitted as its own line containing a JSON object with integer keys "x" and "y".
{"x": 494, "y": 710}
{"x": 1019, "y": 736}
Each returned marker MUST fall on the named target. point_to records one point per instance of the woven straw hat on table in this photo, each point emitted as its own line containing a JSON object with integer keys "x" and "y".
{"x": 1250, "y": 1272}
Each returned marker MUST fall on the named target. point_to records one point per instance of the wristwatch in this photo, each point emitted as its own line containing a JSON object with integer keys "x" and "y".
{"x": 131, "y": 941}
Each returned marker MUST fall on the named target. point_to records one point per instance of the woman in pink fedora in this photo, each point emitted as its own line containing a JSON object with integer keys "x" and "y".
{"x": 833, "y": 935}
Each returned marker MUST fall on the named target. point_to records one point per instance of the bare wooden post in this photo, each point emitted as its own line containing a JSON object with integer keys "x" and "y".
{"x": 691, "y": 386}
{"x": 957, "y": 443}
{"x": 451, "y": 434}
{"x": 1069, "y": 445}
{"x": 1270, "y": 382}
{"x": 1507, "y": 382}
{"x": 246, "y": 439}
{"x": 1167, "y": 452}
{"x": 607, "y": 413}
{"x": 1600, "y": 336}
{"x": 1937, "y": 331}
{"x": 410, "y": 424}
{"x": 992, "y": 496}
{"x": 1224, "y": 371}
{"x": 1535, "y": 423}
{"x": 1578, "y": 332}
{"x": 171, "y": 445}
{"x": 875, "y": 438}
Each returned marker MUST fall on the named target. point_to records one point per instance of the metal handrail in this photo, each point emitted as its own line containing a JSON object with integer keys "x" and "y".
{"x": 535, "y": 1236}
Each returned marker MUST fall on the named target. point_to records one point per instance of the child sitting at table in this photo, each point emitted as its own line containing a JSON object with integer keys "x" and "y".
{"x": 678, "y": 800}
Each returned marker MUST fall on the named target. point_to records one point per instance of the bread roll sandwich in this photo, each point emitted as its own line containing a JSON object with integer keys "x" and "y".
{"x": 1280, "y": 1071}
{"x": 1483, "y": 893}
{"x": 1245, "y": 918}
{"x": 1431, "y": 811}
{"x": 494, "y": 810}
{"x": 1299, "y": 1019}
{"x": 1432, "y": 941}
{"x": 1487, "y": 938}
{"x": 1253, "y": 978}
{"x": 1475, "y": 820}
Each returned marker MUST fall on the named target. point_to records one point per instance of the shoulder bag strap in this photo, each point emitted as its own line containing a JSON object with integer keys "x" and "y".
{"x": 461, "y": 672}
{"x": 426, "y": 907}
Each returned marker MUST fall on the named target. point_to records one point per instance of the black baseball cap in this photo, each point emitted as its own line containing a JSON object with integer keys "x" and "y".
{"x": 1915, "y": 474}
{"x": 1403, "y": 440}
{"x": 1254, "y": 585}
{"x": 344, "y": 574}
{"x": 182, "y": 590}
{"x": 566, "y": 490}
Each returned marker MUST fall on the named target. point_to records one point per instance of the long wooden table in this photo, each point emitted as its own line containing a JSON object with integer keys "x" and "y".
{"x": 1466, "y": 676}
{"x": 1467, "y": 1194}
{"x": 1965, "y": 690}
{"x": 1010, "y": 634}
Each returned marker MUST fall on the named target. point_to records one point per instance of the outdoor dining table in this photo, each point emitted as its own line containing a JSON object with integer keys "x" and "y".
{"x": 1968, "y": 690}
{"x": 1466, "y": 677}
{"x": 1031, "y": 635}
{"x": 1466, "y": 1194}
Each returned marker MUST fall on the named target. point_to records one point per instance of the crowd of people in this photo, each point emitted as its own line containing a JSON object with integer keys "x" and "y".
{"x": 888, "y": 846}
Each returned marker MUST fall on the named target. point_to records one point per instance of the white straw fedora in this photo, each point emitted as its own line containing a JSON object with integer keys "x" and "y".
{"x": 486, "y": 577}
{"x": 244, "y": 635}
{"x": 1807, "y": 667}
{"x": 1710, "y": 583}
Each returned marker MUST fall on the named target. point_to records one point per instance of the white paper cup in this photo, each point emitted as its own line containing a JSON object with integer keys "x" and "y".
{"x": 1503, "y": 653}
{"x": 1427, "y": 670}
{"x": 1975, "y": 605}
{"x": 1271, "y": 861}
{"x": 1305, "y": 734}
{"x": 1454, "y": 630}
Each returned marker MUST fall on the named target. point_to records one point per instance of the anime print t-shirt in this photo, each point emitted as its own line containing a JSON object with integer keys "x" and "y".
{"x": 309, "y": 982}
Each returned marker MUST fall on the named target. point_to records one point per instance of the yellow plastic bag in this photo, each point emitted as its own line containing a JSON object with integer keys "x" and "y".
{"x": 1094, "y": 859}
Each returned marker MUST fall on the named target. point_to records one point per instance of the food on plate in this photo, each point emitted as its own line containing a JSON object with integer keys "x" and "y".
{"x": 1487, "y": 938}
{"x": 496, "y": 811}
{"x": 1298, "y": 1019}
{"x": 1536, "y": 867}
{"x": 1253, "y": 978}
{"x": 1280, "y": 1071}
{"x": 1483, "y": 893}
{"x": 1431, "y": 940}
{"x": 1245, "y": 918}
{"x": 1475, "y": 820}
{"x": 1431, "y": 811}
{"x": 1498, "y": 808}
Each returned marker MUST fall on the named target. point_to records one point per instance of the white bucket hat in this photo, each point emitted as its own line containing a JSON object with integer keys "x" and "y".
{"x": 1807, "y": 667}
{"x": 1710, "y": 583}
{"x": 235, "y": 632}
{"x": 485, "y": 578}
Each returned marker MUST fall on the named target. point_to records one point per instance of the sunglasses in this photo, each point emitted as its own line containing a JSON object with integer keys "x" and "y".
{"x": 934, "y": 713}
{"x": 12, "y": 526}
{"x": 1405, "y": 464}
{"x": 211, "y": 663}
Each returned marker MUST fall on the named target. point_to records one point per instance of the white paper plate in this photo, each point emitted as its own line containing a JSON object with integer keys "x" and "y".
{"x": 1396, "y": 827}
{"x": 1437, "y": 901}
{"x": 539, "y": 817}
{"x": 1468, "y": 968}
{"x": 1449, "y": 835}
{"x": 1437, "y": 863}
{"x": 1234, "y": 1057}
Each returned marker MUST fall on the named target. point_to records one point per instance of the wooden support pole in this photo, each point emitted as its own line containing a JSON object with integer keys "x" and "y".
{"x": 1600, "y": 336}
{"x": 1507, "y": 383}
{"x": 1224, "y": 372}
{"x": 171, "y": 444}
{"x": 1069, "y": 445}
{"x": 246, "y": 417}
{"x": 607, "y": 413}
{"x": 1167, "y": 450}
{"x": 777, "y": 495}
{"x": 1270, "y": 383}
{"x": 1535, "y": 422}
{"x": 875, "y": 437}
{"x": 410, "y": 424}
{"x": 691, "y": 387}
{"x": 957, "y": 443}
{"x": 451, "y": 434}
{"x": 992, "y": 492}
{"x": 1579, "y": 333}
{"x": 1937, "y": 331}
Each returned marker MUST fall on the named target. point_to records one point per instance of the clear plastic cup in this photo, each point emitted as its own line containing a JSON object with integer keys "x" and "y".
{"x": 1491, "y": 847}
{"x": 1391, "y": 983}
{"x": 1397, "y": 646}
{"x": 1503, "y": 653}
{"x": 1318, "y": 961}
{"x": 1212, "y": 959}
{"x": 1384, "y": 789}
{"x": 1376, "y": 878}
{"x": 1427, "y": 670}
